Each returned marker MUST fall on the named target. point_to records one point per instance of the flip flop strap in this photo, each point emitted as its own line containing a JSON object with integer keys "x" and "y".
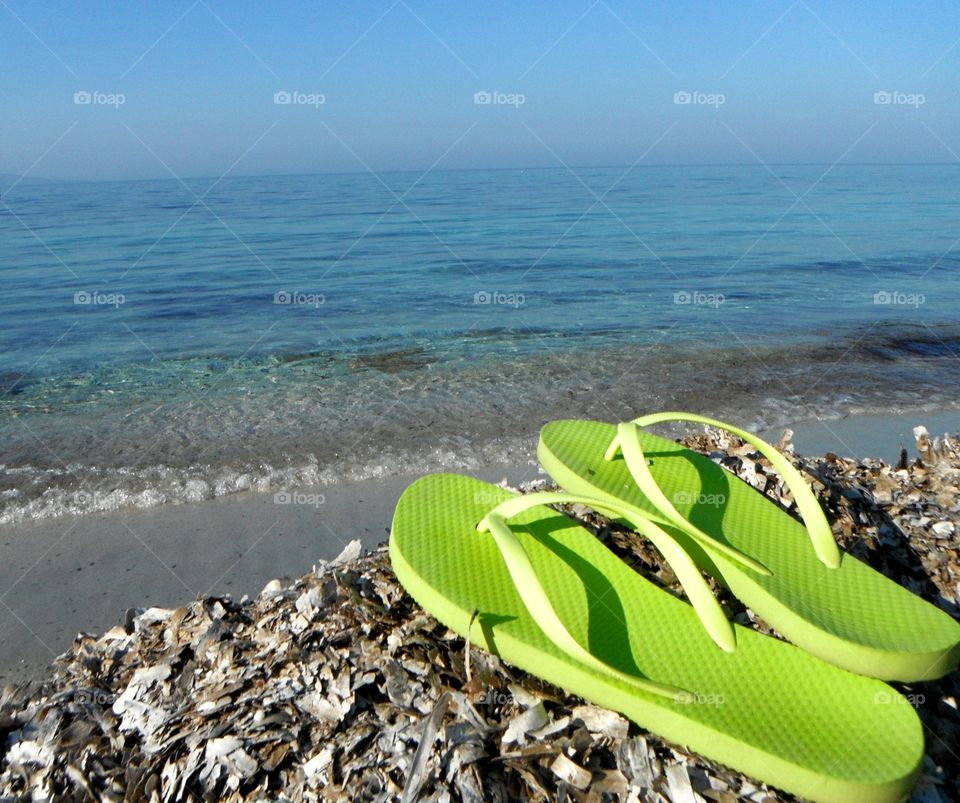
{"x": 627, "y": 440}
{"x": 538, "y": 604}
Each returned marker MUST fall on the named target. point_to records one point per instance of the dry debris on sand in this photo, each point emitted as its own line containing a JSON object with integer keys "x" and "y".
{"x": 339, "y": 687}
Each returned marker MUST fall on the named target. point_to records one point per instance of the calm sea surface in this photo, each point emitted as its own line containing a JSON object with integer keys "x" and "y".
{"x": 162, "y": 342}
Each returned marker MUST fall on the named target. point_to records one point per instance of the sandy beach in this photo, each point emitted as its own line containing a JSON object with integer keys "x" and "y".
{"x": 73, "y": 574}
{"x": 860, "y": 436}
{"x": 399, "y": 716}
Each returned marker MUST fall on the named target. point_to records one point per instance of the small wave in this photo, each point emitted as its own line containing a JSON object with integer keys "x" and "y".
{"x": 36, "y": 493}
{"x": 29, "y": 493}
{"x": 268, "y": 424}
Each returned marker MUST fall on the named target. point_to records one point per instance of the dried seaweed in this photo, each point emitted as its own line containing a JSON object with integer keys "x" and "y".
{"x": 338, "y": 687}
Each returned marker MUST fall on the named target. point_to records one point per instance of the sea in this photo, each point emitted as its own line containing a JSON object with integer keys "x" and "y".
{"x": 170, "y": 341}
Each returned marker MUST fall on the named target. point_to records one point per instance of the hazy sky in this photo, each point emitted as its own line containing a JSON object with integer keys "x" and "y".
{"x": 190, "y": 88}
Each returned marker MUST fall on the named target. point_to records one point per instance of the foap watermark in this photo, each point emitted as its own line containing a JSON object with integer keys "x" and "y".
{"x": 897, "y": 98}
{"x": 696, "y": 98}
{"x": 898, "y": 299}
{"x": 488, "y": 498}
{"x": 495, "y": 98}
{"x": 298, "y": 498}
{"x": 98, "y": 98}
{"x": 697, "y": 498}
{"x": 698, "y": 698}
{"x": 697, "y": 298}
{"x": 89, "y": 500}
{"x": 497, "y": 697}
{"x": 296, "y": 298}
{"x": 500, "y": 299}
{"x": 295, "y": 97}
{"x": 94, "y": 697}
{"x": 97, "y": 299}
{"x": 893, "y": 698}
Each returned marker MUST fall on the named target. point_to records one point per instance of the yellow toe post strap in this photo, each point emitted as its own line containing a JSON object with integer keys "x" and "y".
{"x": 628, "y": 440}
{"x": 538, "y": 603}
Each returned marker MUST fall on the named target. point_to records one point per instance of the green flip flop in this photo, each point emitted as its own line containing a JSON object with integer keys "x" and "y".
{"x": 532, "y": 586}
{"x": 793, "y": 576}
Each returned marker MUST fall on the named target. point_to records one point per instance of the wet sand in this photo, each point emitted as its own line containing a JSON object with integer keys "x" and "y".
{"x": 860, "y": 436}
{"x": 73, "y": 574}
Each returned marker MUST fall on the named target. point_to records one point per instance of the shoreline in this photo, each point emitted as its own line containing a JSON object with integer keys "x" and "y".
{"x": 867, "y": 434}
{"x": 337, "y": 685}
{"x": 117, "y": 438}
{"x": 82, "y": 573}
{"x": 76, "y": 574}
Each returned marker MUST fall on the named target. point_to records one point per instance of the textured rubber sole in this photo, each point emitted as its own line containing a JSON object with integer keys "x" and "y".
{"x": 851, "y": 616}
{"x": 768, "y": 709}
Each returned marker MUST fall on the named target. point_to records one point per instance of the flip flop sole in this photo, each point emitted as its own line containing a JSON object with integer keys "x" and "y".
{"x": 767, "y": 709}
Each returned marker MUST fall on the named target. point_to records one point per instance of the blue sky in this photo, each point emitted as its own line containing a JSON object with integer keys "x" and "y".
{"x": 188, "y": 88}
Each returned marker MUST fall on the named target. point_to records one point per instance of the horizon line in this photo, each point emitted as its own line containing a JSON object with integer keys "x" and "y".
{"x": 18, "y": 178}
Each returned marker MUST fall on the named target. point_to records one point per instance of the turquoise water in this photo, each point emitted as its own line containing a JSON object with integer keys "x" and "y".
{"x": 163, "y": 342}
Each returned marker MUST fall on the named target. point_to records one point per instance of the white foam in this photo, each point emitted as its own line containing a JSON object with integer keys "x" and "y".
{"x": 76, "y": 492}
